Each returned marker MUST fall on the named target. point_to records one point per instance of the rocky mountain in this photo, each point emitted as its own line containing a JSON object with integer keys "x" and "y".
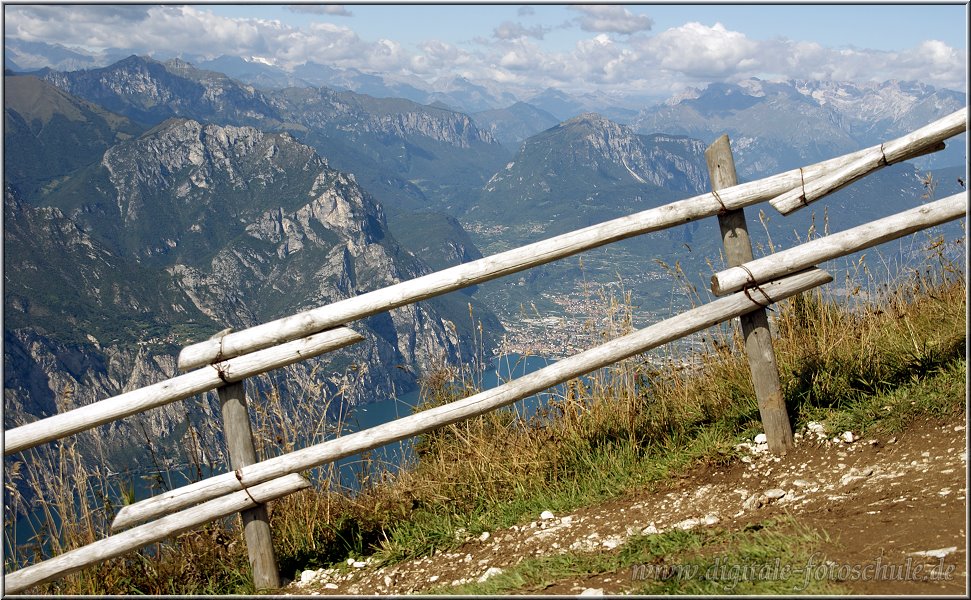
{"x": 424, "y": 234}
{"x": 462, "y": 94}
{"x": 187, "y": 229}
{"x": 565, "y": 106}
{"x": 876, "y": 111}
{"x": 22, "y": 55}
{"x": 589, "y": 169}
{"x": 252, "y": 72}
{"x": 784, "y": 125}
{"x": 352, "y": 80}
{"x": 408, "y": 155}
{"x": 82, "y": 323}
{"x": 49, "y": 133}
{"x": 455, "y": 93}
{"x": 414, "y": 160}
{"x": 149, "y": 91}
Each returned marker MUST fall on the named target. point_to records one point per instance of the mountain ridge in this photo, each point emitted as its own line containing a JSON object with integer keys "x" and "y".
{"x": 254, "y": 204}
{"x": 186, "y": 229}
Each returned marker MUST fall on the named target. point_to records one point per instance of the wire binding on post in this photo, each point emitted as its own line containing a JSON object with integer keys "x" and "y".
{"x": 239, "y": 477}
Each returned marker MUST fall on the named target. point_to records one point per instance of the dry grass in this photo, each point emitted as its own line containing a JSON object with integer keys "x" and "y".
{"x": 628, "y": 425}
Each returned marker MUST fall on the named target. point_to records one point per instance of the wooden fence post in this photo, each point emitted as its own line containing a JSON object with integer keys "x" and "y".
{"x": 242, "y": 453}
{"x": 755, "y": 325}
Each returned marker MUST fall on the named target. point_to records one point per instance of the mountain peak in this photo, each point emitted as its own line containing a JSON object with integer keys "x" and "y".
{"x": 590, "y": 118}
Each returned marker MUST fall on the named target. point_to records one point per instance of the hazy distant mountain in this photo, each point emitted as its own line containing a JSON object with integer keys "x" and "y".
{"x": 253, "y": 72}
{"x": 353, "y": 80}
{"x": 565, "y": 106}
{"x": 511, "y": 125}
{"x": 779, "y": 126}
{"x": 21, "y": 55}
{"x": 469, "y": 96}
{"x": 410, "y": 156}
{"x": 559, "y": 104}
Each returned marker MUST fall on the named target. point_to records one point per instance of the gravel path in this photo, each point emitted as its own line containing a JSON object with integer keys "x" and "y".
{"x": 887, "y": 500}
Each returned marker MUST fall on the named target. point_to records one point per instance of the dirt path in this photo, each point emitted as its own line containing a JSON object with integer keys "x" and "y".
{"x": 894, "y": 508}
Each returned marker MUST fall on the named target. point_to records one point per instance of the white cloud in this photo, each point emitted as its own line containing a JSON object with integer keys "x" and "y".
{"x": 933, "y": 61}
{"x": 621, "y": 54}
{"x": 435, "y": 57}
{"x": 697, "y": 50}
{"x": 320, "y": 9}
{"x": 611, "y": 19}
{"x": 508, "y": 30}
{"x": 930, "y": 62}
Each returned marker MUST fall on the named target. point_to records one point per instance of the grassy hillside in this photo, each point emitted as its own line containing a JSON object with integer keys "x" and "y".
{"x": 876, "y": 360}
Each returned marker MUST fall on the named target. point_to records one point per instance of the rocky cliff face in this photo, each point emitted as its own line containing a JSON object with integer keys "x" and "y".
{"x": 322, "y": 108}
{"x": 149, "y": 91}
{"x": 409, "y": 156}
{"x": 590, "y": 167}
{"x": 179, "y": 233}
{"x": 664, "y": 160}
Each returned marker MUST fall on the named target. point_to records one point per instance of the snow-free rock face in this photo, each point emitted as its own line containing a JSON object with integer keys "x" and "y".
{"x": 591, "y": 167}
{"x": 149, "y": 91}
{"x": 593, "y": 143}
{"x": 408, "y": 155}
{"x": 188, "y": 229}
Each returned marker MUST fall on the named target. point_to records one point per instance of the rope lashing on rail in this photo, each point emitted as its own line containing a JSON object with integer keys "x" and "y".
{"x": 724, "y": 209}
{"x": 802, "y": 182}
{"x": 752, "y": 284}
{"x": 220, "y": 370}
{"x": 767, "y": 305}
{"x": 218, "y": 360}
{"x": 239, "y": 478}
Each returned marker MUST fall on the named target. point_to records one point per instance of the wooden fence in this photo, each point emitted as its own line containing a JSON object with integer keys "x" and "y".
{"x": 229, "y": 358}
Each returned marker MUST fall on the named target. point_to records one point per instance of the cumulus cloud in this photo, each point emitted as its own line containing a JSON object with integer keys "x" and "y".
{"x": 508, "y": 30}
{"x": 143, "y": 29}
{"x": 621, "y": 53}
{"x": 933, "y": 60}
{"x": 701, "y": 51}
{"x": 611, "y": 19}
{"x": 436, "y": 58}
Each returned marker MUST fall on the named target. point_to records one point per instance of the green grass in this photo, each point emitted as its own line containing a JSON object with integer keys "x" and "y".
{"x": 939, "y": 396}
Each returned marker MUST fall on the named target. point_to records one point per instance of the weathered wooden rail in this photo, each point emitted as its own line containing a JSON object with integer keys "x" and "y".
{"x": 224, "y": 362}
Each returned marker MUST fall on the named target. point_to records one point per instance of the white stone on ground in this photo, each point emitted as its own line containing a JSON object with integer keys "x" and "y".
{"x": 489, "y": 573}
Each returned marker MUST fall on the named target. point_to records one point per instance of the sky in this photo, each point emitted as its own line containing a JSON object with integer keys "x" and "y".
{"x": 655, "y": 49}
